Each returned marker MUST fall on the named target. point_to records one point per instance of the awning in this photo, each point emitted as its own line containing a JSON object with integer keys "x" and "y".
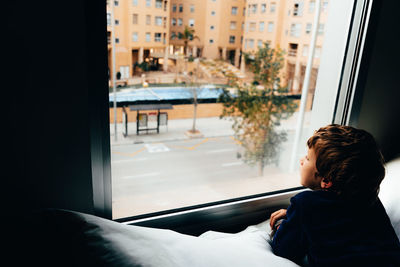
{"x": 150, "y": 107}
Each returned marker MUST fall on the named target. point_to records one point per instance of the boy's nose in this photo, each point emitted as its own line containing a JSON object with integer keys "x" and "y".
{"x": 301, "y": 160}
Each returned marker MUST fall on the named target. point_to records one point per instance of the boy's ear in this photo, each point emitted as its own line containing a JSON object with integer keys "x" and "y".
{"x": 325, "y": 183}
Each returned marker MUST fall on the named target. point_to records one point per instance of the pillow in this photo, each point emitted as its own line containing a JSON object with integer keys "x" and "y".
{"x": 107, "y": 243}
{"x": 389, "y": 193}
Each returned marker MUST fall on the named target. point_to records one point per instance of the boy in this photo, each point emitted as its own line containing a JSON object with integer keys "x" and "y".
{"x": 342, "y": 221}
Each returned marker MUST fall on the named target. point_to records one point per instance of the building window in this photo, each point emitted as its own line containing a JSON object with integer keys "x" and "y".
{"x": 263, "y": 8}
{"x": 232, "y": 39}
{"x": 259, "y": 43}
{"x": 148, "y": 3}
{"x": 192, "y": 8}
{"x": 135, "y": 18}
{"x": 252, "y": 26}
{"x": 308, "y": 28}
{"x": 117, "y": 40}
{"x": 180, "y": 8}
{"x": 295, "y": 29}
{"x": 134, "y": 2}
{"x": 159, "y": 3}
{"x": 325, "y": 6}
{"x": 311, "y": 6}
{"x": 108, "y": 19}
{"x": 174, "y": 8}
{"x": 213, "y": 13}
{"x": 270, "y": 26}
{"x": 234, "y": 10}
{"x": 211, "y": 41}
{"x": 191, "y": 22}
{"x": 148, "y": 19}
{"x": 305, "y": 50}
{"x": 173, "y": 21}
{"x": 180, "y": 22}
{"x": 317, "y": 52}
{"x": 212, "y": 27}
{"x": 173, "y": 35}
{"x": 158, "y": 21}
{"x": 233, "y": 25}
{"x": 116, "y": 22}
{"x": 157, "y": 37}
{"x": 272, "y": 7}
{"x": 298, "y": 9}
{"x": 148, "y": 37}
{"x": 292, "y": 50}
{"x": 135, "y": 37}
{"x": 321, "y": 27}
{"x": 116, "y": 3}
{"x": 261, "y": 26}
{"x": 251, "y": 43}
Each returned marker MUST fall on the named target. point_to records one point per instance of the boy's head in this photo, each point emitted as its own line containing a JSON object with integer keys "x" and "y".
{"x": 347, "y": 161}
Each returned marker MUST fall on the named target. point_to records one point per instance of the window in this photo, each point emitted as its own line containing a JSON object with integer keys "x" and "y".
{"x": 272, "y": 7}
{"x": 150, "y": 172}
{"x": 321, "y": 27}
{"x": 135, "y": 37}
{"x": 254, "y": 8}
{"x": 263, "y": 8}
{"x": 117, "y": 40}
{"x": 159, "y": 3}
{"x": 308, "y": 28}
{"x": 108, "y": 19}
{"x": 234, "y": 10}
{"x": 116, "y": 3}
{"x": 180, "y": 8}
{"x": 134, "y": 2}
{"x": 213, "y": 13}
{"x": 298, "y": 9}
{"x": 325, "y": 4}
{"x": 261, "y": 26}
{"x": 158, "y": 21}
{"x": 305, "y": 50}
{"x": 252, "y": 26}
{"x": 116, "y": 22}
{"x": 311, "y": 6}
{"x": 270, "y": 26}
{"x": 148, "y": 3}
{"x": 295, "y": 29}
{"x": 135, "y": 18}
{"x": 157, "y": 37}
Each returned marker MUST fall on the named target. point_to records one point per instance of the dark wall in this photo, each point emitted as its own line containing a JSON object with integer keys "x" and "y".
{"x": 49, "y": 63}
{"x": 377, "y": 108}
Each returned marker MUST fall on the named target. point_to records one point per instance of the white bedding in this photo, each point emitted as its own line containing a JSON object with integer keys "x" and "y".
{"x": 117, "y": 244}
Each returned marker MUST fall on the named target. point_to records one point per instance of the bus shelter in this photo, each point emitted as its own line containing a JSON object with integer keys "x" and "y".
{"x": 144, "y": 117}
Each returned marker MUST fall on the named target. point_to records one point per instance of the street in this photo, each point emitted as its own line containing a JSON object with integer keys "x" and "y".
{"x": 150, "y": 177}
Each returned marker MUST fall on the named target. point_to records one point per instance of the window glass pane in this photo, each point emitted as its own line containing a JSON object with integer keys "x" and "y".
{"x": 175, "y": 77}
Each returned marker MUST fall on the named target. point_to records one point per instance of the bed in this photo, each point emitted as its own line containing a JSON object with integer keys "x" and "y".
{"x": 88, "y": 240}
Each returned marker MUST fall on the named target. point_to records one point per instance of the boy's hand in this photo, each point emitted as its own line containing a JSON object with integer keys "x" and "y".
{"x": 275, "y": 216}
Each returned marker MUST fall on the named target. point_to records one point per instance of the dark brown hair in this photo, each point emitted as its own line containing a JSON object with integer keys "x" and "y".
{"x": 350, "y": 159}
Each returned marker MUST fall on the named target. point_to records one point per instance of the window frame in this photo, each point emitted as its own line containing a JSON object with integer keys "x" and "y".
{"x": 345, "y": 79}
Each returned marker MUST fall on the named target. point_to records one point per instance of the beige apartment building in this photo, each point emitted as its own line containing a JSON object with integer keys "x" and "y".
{"x": 287, "y": 25}
{"x": 141, "y": 34}
{"x": 217, "y": 24}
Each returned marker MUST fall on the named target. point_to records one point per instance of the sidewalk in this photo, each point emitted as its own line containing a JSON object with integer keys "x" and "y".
{"x": 176, "y": 129}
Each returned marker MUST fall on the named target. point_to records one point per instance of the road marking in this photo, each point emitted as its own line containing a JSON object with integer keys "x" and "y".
{"x": 220, "y": 151}
{"x": 128, "y": 160}
{"x": 129, "y": 154}
{"x": 156, "y": 148}
{"x": 142, "y": 175}
{"x": 196, "y": 145}
{"x": 236, "y": 163}
{"x": 235, "y": 140}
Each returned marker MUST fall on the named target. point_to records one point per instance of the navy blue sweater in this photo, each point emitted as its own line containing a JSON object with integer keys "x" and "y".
{"x": 332, "y": 232}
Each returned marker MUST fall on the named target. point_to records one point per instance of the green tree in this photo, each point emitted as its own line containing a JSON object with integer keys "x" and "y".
{"x": 257, "y": 109}
{"x": 187, "y": 35}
